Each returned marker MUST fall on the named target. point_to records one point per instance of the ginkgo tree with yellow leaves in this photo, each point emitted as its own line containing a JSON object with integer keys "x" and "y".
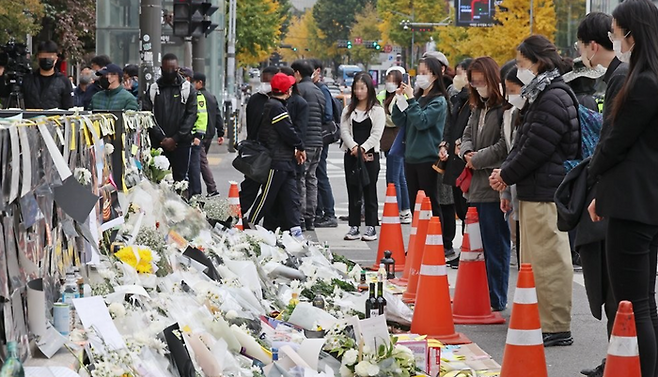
{"x": 258, "y": 24}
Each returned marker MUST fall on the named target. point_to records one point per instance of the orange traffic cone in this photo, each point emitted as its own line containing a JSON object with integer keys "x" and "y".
{"x": 417, "y": 253}
{"x": 234, "y": 203}
{"x": 404, "y": 280}
{"x": 433, "y": 313}
{"x": 471, "y": 305}
{"x": 391, "y": 231}
{"x": 524, "y": 349}
{"x": 623, "y": 352}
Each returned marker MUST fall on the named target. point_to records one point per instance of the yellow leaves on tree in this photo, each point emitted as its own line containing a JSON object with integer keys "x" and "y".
{"x": 305, "y": 36}
{"x": 18, "y": 18}
{"x": 258, "y": 25}
{"x": 365, "y": 27}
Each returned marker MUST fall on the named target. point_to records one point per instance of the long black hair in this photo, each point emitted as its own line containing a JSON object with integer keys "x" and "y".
{"x": 538, "y": 49}
{"x": 438, "y": 89}
{"x": 397, "y": 76}
{"x": 371, "y": 101}
{"x": 637, "y": 18}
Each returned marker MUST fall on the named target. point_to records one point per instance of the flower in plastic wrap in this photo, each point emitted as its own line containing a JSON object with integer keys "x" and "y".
{"x": 365, "y": 369}
{"x": 175, "y": 210}
{"x": 161, "y": 162}
{"x": 82, "y": 175}
{"x": 181, "y": 185}
{"x": 140, "y": 258}
{"x": 350, "y": 357}
{"x": 117, "y": 310}
{"x": 109, "y": 149}
{"x": 404, "y": 354}
{"x": 345, "y": 371}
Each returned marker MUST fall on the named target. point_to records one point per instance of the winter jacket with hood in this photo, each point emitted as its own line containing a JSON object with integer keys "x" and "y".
{"x": 174, "y": 114}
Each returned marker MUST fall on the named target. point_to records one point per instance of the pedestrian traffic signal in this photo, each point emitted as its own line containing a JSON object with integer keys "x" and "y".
{"x": 349, "y": 44}
{"x": 192, "y": 18}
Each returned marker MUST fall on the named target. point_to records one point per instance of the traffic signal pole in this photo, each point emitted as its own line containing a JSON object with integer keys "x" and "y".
{"x": 199, "y": 54}
{"x": 150, "y": 32}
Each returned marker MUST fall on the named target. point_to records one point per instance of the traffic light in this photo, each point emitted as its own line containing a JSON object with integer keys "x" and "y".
{"x": 192, "y": 18}
{"x": 349, "y": 44}
{"x": 376, "y": 45}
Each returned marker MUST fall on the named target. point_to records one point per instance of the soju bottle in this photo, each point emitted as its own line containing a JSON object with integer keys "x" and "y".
{"x": 12, "y": 366}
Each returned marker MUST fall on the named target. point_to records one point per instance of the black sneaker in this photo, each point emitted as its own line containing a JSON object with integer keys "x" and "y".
{"x": 370, "y": 234}
{"x": 453, "y": 263}
{"x": 353, "y": 234}
{"x": 327, "y": 222}
{"x": 212, "y": 194}
{"x": 596, "y": 372}
{"x": 557, "y": 339}
{"x": 343, "y": 218}
{"x": 309, "y": 224}
{"x": 450, "y": 254}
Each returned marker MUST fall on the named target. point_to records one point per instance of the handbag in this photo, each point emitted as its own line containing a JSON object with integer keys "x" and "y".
{"x": 464, "y": 180}
{"x": 359, "y": 174}
{"x": 253, "y": 160}
{"x": 330, "y": 132}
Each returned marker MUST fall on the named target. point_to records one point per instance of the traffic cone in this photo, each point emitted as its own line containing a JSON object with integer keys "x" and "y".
{"x": 623, "y": 352}
{"x": 234, "y": 204}
{"x": 524, "y": 349}
{"x": 404, "y": 280}
{"x": 471, "y": 304}
{"x": 433, "y": 312}
{"x": 424, "y": 217}
{"x": 391, "y": 232}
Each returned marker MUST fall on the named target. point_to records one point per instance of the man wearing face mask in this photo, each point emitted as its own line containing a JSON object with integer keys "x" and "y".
{"x": 173, "y": 102}
{"x": 113, "y": 96}
{"x": 86, "y": 84}
{"x": 45, "y": 88}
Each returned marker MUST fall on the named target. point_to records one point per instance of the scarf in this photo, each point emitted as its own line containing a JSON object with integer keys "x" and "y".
{"x": 539, "y": 84}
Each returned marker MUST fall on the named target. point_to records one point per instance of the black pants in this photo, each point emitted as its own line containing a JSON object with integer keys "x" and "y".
{"x": 194, "y": 171}
{"x": 461, "y": 207}
{"x": 423, "y": 177}
{"x": 179, "y": 160}
{"x": 631, "y": 251}
{"x": 597, "y": 281}
{"x": 356, "y": 193}
{"x": 448, "y": 224}
{"x": 206, "y": 173}
{"x": 248, "y": 193}
{"x": 279, "y": 194}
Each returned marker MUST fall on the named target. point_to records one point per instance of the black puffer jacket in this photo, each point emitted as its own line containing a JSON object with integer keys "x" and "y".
{"x": 175, "y": 118}
{"x": 58, "y": 95}
{"x": 548, "y": 135}
{"x": 460, "y": 111}
{"x": 316, "y": 103}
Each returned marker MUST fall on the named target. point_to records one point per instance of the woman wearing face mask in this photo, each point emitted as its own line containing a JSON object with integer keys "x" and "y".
{"x": 548, "y": 135}
{"x": 624, "y": 166}
{"x": 483, "y": 150}
{"x": 392, "y": 144}
{"x": 362, "y": 125}
{"x": 449, "y": 152}
{"x": 423, "y": 115}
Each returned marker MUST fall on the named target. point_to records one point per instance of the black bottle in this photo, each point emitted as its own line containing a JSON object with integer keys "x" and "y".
{"x": 381, "y": 301}
{"x": 372, "y": 310}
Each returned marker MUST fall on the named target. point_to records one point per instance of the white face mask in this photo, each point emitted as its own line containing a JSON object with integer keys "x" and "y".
{"x": 625, "y": 57}
{"x": 391, "y": 87}
{"x": 265, "y": 88}
{"x": 483, "y": 92}
{"x": 459, "y": 82}
{"x": 525, "y": 75}
{"x": 516, "y": 100}
{"x": 423, "y": 81}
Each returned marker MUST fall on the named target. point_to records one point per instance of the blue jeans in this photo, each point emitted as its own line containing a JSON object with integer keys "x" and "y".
{"x": 395, "y": 175}
{"x": 325, "y": 195}
{"x": 496, "y": 242}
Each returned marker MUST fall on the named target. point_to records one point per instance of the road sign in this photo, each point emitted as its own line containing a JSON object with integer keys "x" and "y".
{"x": 388, "y": 49}
{"x": 358, "y": 41}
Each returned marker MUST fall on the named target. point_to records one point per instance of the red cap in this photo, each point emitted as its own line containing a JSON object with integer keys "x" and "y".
{"x": 281, "y": 83}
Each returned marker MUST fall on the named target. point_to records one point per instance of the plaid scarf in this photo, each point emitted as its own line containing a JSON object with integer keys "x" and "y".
{"x": 538, "y": 84}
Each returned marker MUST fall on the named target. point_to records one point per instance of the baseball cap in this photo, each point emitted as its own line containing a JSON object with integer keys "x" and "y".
{"x": 110, "y": 68}
{"x": 199, "y": 77}
{"x": 187, "y": 72}
{"x": 438, "y": 56}
{"x": 281, "y": 83}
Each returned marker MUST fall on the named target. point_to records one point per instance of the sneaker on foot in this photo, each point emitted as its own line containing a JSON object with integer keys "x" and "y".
{"x": 557, "y": 339}
{"x": 327, "y": 222}
{"x": 454, "y": 263}
{"x": 353, "y": 234}
{"x": 405, "y": 218}
{"x": 450, "y": 254}
{"x": 595, "y": 372}
{"x": 370, "y": 234}
{"x": 212, "y": 194}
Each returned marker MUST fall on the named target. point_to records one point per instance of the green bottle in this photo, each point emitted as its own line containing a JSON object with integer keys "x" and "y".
{"x": 12, "y": 366}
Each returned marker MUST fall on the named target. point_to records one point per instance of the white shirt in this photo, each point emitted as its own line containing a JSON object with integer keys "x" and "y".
{"x": 377, "y": 117}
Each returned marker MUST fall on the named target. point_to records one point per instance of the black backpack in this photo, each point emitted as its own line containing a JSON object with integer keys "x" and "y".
{"x": 331, "y": 130}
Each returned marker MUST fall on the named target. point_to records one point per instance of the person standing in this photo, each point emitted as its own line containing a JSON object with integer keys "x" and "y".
{"x": 312, "y": 140}
{"x": 423, "y": 115}
{"x": 548, "y": 136}
{"x": 113, "y": 96}
{"x": 173, "y": 102}
{"x": 483, "y": 149}
{"x": 287, "y": 149}
{"x": 131, "y": 79}
{"x": 361, "y": 131}
{"x": 254, "y": 111}
{"x": 214, "y": 126}
{"x": 623, "y": 165}
{"x": 85, "y": 81}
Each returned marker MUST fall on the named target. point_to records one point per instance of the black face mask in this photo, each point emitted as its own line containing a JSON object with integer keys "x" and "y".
{"x": 104, "y": 82}
{"x": 46, "y": 64}
{"x": 169, "y": 76}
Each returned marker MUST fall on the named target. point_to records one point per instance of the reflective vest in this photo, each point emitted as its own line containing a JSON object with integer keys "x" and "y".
{"x": 201, "y": 124}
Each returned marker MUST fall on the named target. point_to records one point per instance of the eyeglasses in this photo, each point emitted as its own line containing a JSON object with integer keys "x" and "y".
{"x": 612, "y": 38}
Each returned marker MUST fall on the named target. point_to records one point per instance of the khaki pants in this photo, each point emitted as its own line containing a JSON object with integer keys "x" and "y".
{"x": 547, "y": 249}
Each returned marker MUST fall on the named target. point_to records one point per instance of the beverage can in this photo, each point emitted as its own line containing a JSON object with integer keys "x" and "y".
{"x": 62, "y": 317}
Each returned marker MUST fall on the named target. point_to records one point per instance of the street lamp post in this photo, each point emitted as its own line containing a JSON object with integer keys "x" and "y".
{"x": 406, "y": 24}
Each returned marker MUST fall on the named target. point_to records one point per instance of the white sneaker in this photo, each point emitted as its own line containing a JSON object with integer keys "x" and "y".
{"x": 370, "y": 234}
{"x": 405, "y": 217}
{"x": 353, "y": 234}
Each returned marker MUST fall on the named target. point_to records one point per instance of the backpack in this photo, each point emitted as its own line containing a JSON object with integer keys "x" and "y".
{"x": 331, "y": 130}
{"x": 590, "y": 122}
{"x": 154, "y": 90}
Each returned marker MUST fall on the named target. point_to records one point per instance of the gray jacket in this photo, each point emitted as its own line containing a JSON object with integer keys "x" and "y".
{"x": 490, "y": 152}
{"x": 316, "y": 104}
